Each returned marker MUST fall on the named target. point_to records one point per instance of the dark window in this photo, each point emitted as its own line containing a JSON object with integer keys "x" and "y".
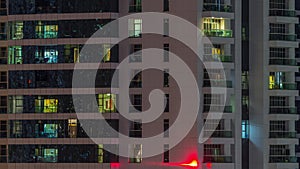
{"x": 166, "y": 5}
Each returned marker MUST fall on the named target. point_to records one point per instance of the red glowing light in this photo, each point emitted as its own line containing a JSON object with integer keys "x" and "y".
{"x": 209, "y": 165}
{"x": 115, "y": 165}
{"x": 193, "y": 164}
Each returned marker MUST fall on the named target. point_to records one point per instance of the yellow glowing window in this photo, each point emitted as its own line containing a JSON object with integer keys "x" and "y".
{"x": 213, "y": 23}
{"x": 107, "y": 53}
{"x": 76, "y": 55}
{"x": 271, "y": 82}
{"x": 50, "y": 105}
{"x": 100, "y": 153}
{"x": 107, "y": 103}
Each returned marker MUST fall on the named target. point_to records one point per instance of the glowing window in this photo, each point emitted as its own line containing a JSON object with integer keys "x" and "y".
{"x": 46, "y": 31}
{"x": 135, "y": 153}
{"x": 107, "y": 53}
{"x": 50, "y": 130}
{"x": 17, "y": 30}
{"x": 15, "y": 55}
{"x": 50, "y": 105}
{"x": 245, "y": 129}
{"x": 46, "y": 105}
{"x": 107, "y": 103}
{"x": 135, "y": 27}
{"x": 50, "y": 155}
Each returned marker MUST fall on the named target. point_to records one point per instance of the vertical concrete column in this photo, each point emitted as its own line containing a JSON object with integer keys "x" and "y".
{"x": 227, "y": 124}
{"x": 292, "y": 150}
{"x": 227, "y": 2}
{"x": 291, "y": 53}
{"x": 227, "y": 50}
{"x": 291, "y": 125}
{"x": 227, "y": 149}
{"x": 291, "y": 28}
{"x": 291, "y": 4}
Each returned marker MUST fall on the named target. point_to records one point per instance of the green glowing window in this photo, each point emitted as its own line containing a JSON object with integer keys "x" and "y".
{"x": 50, "y": 130}
{"x": 107, "y": 103}
{"x": 50, "y": 155}
{"x": 17, "y": 30}
{"x": 46, "y": 31}
{"x": 15, "y": 55}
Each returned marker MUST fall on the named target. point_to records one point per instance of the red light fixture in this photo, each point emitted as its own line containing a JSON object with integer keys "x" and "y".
{"x": 192, "y": 164}
{"x": 115, "y": 165}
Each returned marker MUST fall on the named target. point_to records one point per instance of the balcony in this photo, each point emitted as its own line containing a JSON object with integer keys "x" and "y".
{"x": 283, "y": 37}
{"x": 219, "y": 134}
{"x": 283, "y": 61}
{"x": 283, "y": 86}
{"x": 217, "y": 159}
{"x": 135, "y": 8}
{"x": 217, "y": 7}
{"x": 217, "y": 33}
{"x": 282, "y": 159}
{"x": 283, "y": 110}
{"x": 282, "y": 134}
{"x": 217, "y": 83}
{"x": 217, "y": 108}
{"x": 282, "y": 12}
{"x": 217, "y": 58}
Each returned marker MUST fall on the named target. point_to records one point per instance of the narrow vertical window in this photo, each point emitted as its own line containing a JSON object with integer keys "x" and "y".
{"x": 166, "y": 52}
{"x": 166, "y": 5}
{"x": 166, "y": 27}
{"x": 166, "y": 78}
{"x": 166, "y": 127}
{"x": 166, "y": 157}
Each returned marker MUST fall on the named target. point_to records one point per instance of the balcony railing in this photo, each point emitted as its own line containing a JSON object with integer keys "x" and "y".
{"x": 282, "y": 159}
{"x": 282, "y": 12}
{"x": 283, "y": 110}
{"x": 219, "y": 134}
{"x": 217, "y": 7}
{"x": 217, "y": 159}
{"x": 217, "y": 83}
{"x": 283, "y": 86}
{"x": 283, "y": 37}
{"x": 218, "y": 33}
{"x": 217, "y": 58}
{"x": 282, "y": 134}
{"x": 217, "y": 108}
{"x": 135, "y": 8}
{"x": 282, "y": 61}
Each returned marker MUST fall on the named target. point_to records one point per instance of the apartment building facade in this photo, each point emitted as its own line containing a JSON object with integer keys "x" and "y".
{"x": 41, "y": 42}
